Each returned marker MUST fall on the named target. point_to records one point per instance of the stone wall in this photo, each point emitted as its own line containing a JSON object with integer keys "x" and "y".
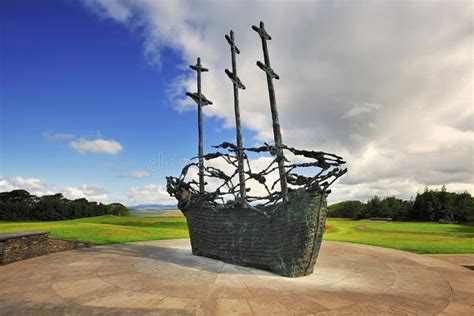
{"x": 287, "y": 243}
{"x": 20, "y": 246}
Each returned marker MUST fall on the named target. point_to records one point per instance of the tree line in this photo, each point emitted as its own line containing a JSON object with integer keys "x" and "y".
{"x": 19, "y": 205}
{"x": 431, "y": 205}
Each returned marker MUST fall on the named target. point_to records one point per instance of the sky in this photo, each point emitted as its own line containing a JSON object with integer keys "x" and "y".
{"x": 93, "y": 104}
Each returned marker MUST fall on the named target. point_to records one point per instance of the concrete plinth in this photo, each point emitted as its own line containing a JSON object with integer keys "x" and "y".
{"x": 163, "y": 277}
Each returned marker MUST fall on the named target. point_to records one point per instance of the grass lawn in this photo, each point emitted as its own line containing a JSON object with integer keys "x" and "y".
{"x": 107, "y": 229}
{"x": 414, "y": 237}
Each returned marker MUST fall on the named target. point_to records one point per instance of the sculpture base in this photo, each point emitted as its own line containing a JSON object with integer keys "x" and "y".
{"x": 286, "y": 244}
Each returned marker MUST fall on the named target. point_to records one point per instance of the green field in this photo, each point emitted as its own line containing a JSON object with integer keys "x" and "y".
{"x": 407, "y": 236}
{"x": 414, "y": 237}
{"x": 159, "y": 213}
{"x": 107, "y": 229}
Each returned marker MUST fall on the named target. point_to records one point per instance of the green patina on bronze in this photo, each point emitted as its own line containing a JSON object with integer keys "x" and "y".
{"x": 280, "y": 231}
{"x": 287, "y": 243}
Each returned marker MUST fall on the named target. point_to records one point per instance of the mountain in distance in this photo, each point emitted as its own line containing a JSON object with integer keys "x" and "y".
{"x": 152, "y": 207}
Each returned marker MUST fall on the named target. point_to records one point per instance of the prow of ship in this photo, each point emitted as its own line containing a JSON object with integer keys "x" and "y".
{"x": 279, "y": 230}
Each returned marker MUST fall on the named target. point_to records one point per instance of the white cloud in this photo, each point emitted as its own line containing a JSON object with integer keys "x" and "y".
{"x": 6, "y": 185}
{"x": 139, "y": 174}
{"x": 387, "y": 85}
{"x": 89, "y": 192}
{"x": 114, "y": 8}
{"x": 84, "y": 146}
{"x": 32, "y": 185}
{"x": 360, "y": 108}
{"x": 97, "y": 146}
{"x": 39, "y": 188}
{"x": 57, "y": 136}
{"x": 399, "y": 187}
{"x": 149, "y": 193}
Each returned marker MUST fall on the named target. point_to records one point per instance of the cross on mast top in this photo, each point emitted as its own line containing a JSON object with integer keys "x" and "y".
{"x": 266, "y": 67}
{"x": 201, "y": 101}
{"x": 237, "y": 84}
{"x": 261, "y": 31}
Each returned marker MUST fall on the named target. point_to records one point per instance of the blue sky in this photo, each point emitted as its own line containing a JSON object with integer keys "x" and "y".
{"x": 67, "y": 71}
{"x": 92, "y": 97}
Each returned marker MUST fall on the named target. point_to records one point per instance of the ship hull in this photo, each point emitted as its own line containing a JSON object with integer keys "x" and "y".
{"x": 287, "y": 243}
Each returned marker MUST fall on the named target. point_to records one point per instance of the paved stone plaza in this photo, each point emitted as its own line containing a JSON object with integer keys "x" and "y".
{"x": 163, "y": 277}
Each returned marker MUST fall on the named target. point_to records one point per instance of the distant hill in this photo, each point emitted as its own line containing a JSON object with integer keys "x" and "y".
{"x": 152, "y": 207}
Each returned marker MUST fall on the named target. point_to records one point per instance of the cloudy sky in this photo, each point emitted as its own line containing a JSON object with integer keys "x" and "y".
{"x": 92, "y": 92}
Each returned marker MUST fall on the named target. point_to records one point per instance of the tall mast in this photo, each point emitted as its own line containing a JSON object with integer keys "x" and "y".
{"x": 237, "y": 84}
{"x": 201, "y": 101}
{"x": 273, "y": 106}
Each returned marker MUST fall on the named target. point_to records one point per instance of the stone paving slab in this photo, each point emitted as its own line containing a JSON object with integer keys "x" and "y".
{"x": 164, "y": 278}
{"x": 463, "y": 260}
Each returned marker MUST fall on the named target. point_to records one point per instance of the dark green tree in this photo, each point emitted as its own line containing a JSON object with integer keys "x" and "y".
{"x": 20, "y": 205}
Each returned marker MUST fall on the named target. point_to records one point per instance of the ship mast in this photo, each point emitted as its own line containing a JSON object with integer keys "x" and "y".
{"x": 237, "y": 84}
{"x": 201, "y": 101}
{"x": 273, "y": 106}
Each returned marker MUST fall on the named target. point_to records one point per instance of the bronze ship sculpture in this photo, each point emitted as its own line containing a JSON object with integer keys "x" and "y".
{"x": 280, "y": 231}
